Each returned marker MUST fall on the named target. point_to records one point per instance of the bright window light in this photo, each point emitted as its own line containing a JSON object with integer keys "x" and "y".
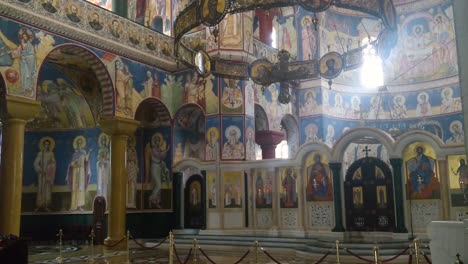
{"x": 282, "y": 150}
{"x": 274, "y": 41}
{"x": 371, "y": 70}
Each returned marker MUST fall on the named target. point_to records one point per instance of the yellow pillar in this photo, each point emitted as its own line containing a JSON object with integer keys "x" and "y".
{"x": 119, "y": 130}
{"x": 20, "y": 111}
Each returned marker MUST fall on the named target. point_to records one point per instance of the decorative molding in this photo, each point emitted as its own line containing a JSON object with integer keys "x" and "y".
{"x": 58, "y": 23}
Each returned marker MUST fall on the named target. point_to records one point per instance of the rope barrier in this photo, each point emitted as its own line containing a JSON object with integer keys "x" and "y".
{"x": 359, "y": 257}
{"x": 426, "y": 258}
{"x": 115, "y": 244}
{"x": 323, "y": 258}
{"x": 243, "y": 257}
{"x": 395, "y": 257}
{"x": 186, "y": 258}
{"x": 270, "y": 256}
{"x": 206, "y": 255}
{"x": 152, "y": 247}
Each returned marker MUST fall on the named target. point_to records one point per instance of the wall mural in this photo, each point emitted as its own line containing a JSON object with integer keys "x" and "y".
{"x": 263, "y": 189}
{"x": 233, "y": 137}
{"x": 212, "y": 149}
{"x": 318, "y": 178}
{"x": 155, "y": 14}
{"x": 198, "y": 89}
{"x": 232, "y": 99}
{"x": 189, "y": 133}
{"x": 421, "y": 172}
{"x": 307, "y": 35}
{"x": 286, "y": 36}
{"x": 356, "y": 151}
{"x": 157, "y": 183}
{"x": 62, "y": 183}
{"x": 249, "y": 138}
{"x": 288, "y": 188}
{"x": 233, "y": 189}
{"x": 230, "y": 32}
{"x": 458, "y": 178}
{"x": 274, "y": 109}
{"x": 212, "y": 190}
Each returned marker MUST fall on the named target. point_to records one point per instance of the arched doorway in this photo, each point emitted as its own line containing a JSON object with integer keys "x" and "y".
{"x": 368, "y": 194}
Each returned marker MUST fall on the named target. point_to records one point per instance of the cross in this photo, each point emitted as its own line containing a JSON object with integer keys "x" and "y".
{"x": 367, "y": 150}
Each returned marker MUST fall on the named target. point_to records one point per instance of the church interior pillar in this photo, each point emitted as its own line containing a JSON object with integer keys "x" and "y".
{"x": 335, "y": 167}
{"x": 444, "y": 189}
{"x": 119, "y": 129}
{"x": 460, "y": 21}
{"x": 399, "y": 195}
{"x": 268, "y": 140}
{"x": 20, "y": 111}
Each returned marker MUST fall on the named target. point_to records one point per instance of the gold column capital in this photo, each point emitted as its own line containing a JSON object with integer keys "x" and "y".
{"x": 119, "y": 126}
{"x": 22, "y": 108}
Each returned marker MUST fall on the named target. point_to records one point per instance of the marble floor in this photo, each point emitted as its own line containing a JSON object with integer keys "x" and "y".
{"x": 137, "y": 254}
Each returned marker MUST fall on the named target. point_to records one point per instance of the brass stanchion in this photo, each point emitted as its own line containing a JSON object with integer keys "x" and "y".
{"x": 171, "y": 248}
{"x": 59, "y": 259}
{"x": 257, "y": 246}
{"x": 194, "y": 251}
{"x": 128, "y": 248}
{"x": 376, "y": 255}
{"x": 458, "y": 260}
{"x": 417, "y": 250}
{"x": 91, "y": 257}
{"x": 337, "y": 244}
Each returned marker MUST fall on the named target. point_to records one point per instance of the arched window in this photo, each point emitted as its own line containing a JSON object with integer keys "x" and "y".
{"x": 371, "y": 71}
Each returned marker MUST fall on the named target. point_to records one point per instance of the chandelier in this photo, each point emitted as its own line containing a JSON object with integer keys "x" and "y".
{"x": 285, "y": 72}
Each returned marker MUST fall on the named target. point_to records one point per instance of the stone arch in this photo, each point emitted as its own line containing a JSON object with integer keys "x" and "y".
{"x": 261, "y": 118}
{"x": 83, "y": 57}
{"x": 290, "y": 125}
{"x": 152, "y": 112}
{"x": 410, "y": 137}
{"x": 361, "y": 133}
{"x": 304, "y": 151}
{"x": 189, "y": 133}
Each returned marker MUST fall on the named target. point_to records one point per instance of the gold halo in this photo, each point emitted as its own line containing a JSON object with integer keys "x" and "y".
{"x": 101, "y": 136}
{"x": 304, "y": 19}
{"x": 306, "y": 95}
{"x": 51, "y": 140}
{"x": 216, "y": 132}
{"x": 75, "y": 142}
{"x": 78, "y": 9}
{"x": 162, "y": 142}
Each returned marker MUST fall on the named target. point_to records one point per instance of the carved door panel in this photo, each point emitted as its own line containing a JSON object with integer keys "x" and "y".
{"x": 369, "y": 199}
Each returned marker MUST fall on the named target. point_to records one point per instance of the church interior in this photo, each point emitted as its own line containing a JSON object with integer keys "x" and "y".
{"x": 294, "y": 131}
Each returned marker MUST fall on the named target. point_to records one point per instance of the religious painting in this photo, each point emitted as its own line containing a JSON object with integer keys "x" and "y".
{"x": 74, "y": 12}
{"x": 288, "y": 182}
{"x": 133, "y": 169}
{"x": 274, "y": 109}
{"x": 263, "y": 189}
{"x": 331, "y": 65}
{"x": 134, "y": 36}
{"x": 115, "y": 28}
{"x": 189, "y": 133}
{"x": 211, "y": 95}
{"x": 249, "y": 98}
{"x": 63, "y": 104}
{"x": 249, "y": 138}
{"x": 308, "y": 42}
{"x": 233, "y": 189}
{"x": 212, "y": 150}
{"x": 457, "y": 136}
{"x": 212, "y": 11}
{"x": 286, "y": 31}
{"x": 156, "y": 13}
{"x": 421, "y": 172}
{"x": 157, "y": 185}
{"x": 231, "y": 33}
{"x": 195, "y": 209}
{"x": 311, "y": 130}
{"x": 232, "y": 100}
{"x": 248, "y": 34}
{"x": 45, "y": 166}
{"x": 195, "y": 88}
{"x": 233, "y": 138}
{"x": 458, "y": 178}
{"x": 381, "y": 196}
{"x": 103, "y": 167}
{"x": 212, "y": 190}
{"x": 60, "y": 183}
{"x": 357, "y": 197}
{"x": 123, "y": 88}
{"x": 308, "y": 103}
{"x": 318, "y": 177}
{"x": 95, "y": 21}
{"x": 106, "y": 4}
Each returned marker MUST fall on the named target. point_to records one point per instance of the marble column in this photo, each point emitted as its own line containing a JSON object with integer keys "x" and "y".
{"x": 399, "y": 195}
{"x": 268, "y": 140}
{"x": 335, "y": 167}
{"x": 461, "y": 20}
{"x": 20, "y": 111}
{"x": 119, "y": 130}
